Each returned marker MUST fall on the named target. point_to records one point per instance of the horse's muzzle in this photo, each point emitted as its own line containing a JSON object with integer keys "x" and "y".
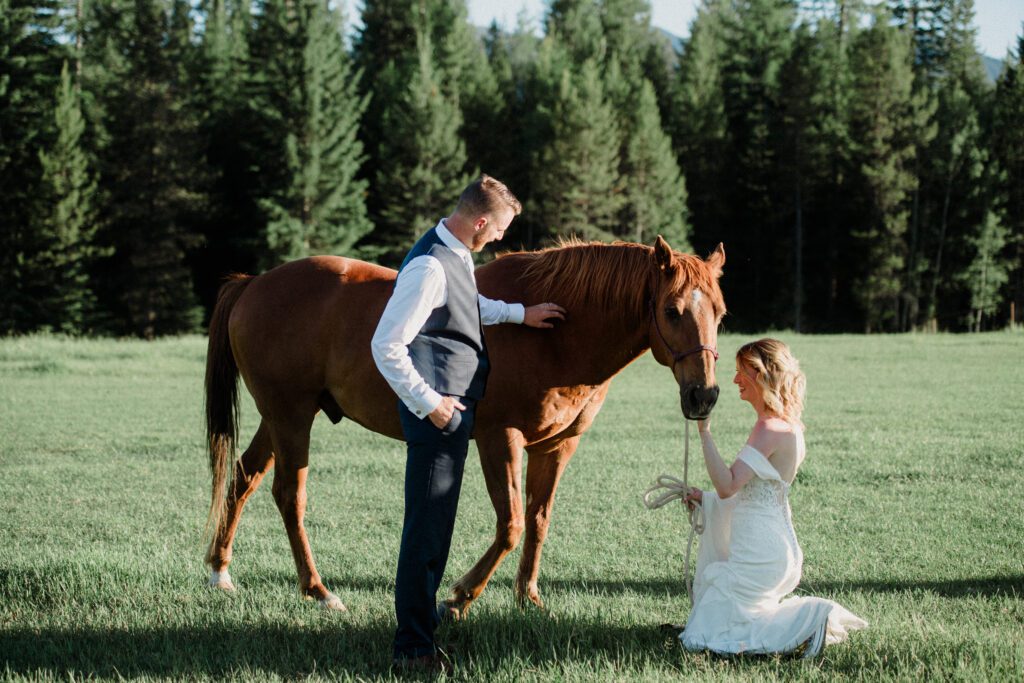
{"x": 697, "y": 401}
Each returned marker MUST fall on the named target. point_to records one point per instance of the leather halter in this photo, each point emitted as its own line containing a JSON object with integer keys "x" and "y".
{"x": 679, "y": 355}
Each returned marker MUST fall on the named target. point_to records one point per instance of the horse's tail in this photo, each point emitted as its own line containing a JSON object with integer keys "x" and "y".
{"x": 222, "y": 402}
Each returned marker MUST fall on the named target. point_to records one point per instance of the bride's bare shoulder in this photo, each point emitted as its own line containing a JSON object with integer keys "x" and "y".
{"x": 773, "y": 434}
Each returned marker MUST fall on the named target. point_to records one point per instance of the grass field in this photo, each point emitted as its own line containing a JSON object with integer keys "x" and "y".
{"x": 909, "y": 508}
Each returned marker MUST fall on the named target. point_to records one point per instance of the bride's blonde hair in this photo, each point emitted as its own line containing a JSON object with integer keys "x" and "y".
{"x": 778, "y": 375}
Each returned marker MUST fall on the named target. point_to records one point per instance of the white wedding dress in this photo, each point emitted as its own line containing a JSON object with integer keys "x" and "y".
{"x": 749, "y": 560}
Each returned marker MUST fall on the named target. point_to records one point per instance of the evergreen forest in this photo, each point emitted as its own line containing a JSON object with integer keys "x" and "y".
{"x": 862, "y": 167}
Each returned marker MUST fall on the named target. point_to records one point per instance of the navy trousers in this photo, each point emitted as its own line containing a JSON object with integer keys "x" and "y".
{"x": 433, "y": 479}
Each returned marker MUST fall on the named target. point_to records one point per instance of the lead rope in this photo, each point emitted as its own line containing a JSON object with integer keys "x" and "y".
{"x": 674, "y": 489}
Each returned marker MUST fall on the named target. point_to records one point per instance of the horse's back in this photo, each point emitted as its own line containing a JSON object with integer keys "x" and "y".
{"x": 302, "y": 323}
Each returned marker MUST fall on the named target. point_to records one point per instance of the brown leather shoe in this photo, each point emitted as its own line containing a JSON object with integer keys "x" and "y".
{"x": 437, "y": 664}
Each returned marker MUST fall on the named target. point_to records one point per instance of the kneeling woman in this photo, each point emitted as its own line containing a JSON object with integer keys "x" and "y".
{"x": 749, "y": 558}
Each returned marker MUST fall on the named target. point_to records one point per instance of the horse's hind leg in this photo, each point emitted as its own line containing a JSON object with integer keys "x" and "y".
{"x": 249, "y": 472}
{"x": 291, "y": 447}
{"x": 502, "y": 460}
{"x": 543, "y": 471}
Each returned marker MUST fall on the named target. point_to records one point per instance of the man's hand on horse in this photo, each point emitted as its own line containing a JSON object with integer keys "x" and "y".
{"x": 541, "y": 314}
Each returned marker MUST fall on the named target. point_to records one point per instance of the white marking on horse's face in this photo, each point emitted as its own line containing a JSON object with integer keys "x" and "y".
{"x": 697, "y": 296}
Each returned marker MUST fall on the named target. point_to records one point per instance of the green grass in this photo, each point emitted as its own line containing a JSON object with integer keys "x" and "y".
{"x": 909, "y": 508}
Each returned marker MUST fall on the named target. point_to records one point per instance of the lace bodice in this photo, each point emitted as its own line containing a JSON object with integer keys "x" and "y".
{"x": 759, "y": 491}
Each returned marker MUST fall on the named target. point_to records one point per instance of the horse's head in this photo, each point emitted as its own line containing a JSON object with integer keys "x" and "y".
{"x": 685, "y": 311}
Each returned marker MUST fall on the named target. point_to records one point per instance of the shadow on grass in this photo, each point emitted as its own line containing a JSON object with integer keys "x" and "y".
{"x": 486, "y": 643}
{"x": 985, "y": 587}
{"x": 992, "y": 586}
{"x": 491, "y": 642}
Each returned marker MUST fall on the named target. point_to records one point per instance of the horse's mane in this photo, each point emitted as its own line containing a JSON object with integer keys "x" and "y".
{"x": 574, "y": 272}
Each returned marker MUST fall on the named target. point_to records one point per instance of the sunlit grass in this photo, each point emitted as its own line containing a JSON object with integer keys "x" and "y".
{"x": 910, "y": 511}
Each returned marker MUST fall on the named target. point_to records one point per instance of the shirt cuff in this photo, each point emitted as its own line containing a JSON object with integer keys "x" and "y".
{"x": 516, "y": 313}
{"x": 424, "y": 405}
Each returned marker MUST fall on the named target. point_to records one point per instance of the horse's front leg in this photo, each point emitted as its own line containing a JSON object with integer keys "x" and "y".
{"x": 501, "y": 460}
{"x": 543, "y": 471}
{"x": 291, "y": 446}
{"x": 249, "y": 472}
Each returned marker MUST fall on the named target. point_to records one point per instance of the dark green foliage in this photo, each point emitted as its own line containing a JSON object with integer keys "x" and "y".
{"x": 860, "y": 177}
{"x": 698, "y": 125}
{"x": 151, "y": 173}
{"x": 30, "y": 63}
{"x": 232, "y": 225}
{"x": 655, "y": 194}
{"x": 1007, "y": 145}
{"x": 58, "y": 271}
{"x": 880, "y": 116}
{"x": 423, "y": 159}
{"x": 575, "y": 25}
{"x": 464, "y": 107}
{"x": 304, "y": 93}
{"x": 579, "y": 189}
{"x": 756, "y": 42}
{"x": 986, "y": 272}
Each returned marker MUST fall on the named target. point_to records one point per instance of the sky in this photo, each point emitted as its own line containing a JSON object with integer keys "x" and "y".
{"x": 999, "y": 22}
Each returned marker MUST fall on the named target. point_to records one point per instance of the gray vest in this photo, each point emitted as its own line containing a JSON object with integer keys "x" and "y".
{"x": 449, "y": 351}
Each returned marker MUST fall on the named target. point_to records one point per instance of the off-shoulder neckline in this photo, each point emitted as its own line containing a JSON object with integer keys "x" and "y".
{"x": 769, "y": 463}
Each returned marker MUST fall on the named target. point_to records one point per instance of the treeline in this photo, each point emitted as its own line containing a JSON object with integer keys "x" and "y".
{"x": 862, "y": 171}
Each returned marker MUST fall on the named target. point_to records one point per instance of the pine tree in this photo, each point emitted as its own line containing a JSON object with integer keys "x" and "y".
{"x": 626, "y": 27}
{"x": 387, "y": 51}
{"x": 950, "y": 199}
{"x": 883, "y": 78}
{"x": 307, "y": 97}
{"x": 519, "y": 61}
{"x": 958, "y": 160}
{"x": 986, "y": 272}
{"x": 233, "y": 224}
{"x": 576, "y": 26}
{"x": 151, "y": 171}
{"x": 757, "y": 41}
{"x": 655, "y": 193}
{"x": 698, "y": 125}
{"x": 578, "y": 189}
{"x": 67, "y": 233}
{"x": 423, "y": 159}
{"x": 803, "y": 156}
{"x": 829, "y": 275}
{"x": 1007, "y": 147}
{"x": 30, "y": 59}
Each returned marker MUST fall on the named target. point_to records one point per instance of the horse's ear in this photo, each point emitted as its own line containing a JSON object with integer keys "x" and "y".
{"x": 716, "y": 260}
{"x": 662, "y": 253}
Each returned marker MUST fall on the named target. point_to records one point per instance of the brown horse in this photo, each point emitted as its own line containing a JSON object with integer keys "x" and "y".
{"x": 300, "y": 337}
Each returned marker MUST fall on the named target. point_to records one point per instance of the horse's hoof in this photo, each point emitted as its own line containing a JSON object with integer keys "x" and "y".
{"x": 221, "y": 581}
{"x": 333, "y": 602}
{"x": 449, "y": 612}
{"x": 526, "y": 598}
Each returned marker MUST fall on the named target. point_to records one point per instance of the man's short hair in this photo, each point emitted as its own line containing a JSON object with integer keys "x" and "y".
{"x": 487, "y": 195}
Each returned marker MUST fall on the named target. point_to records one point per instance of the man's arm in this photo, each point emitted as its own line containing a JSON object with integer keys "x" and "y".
{"x": 420, "y": 289}
{"x": 494, "y": 312}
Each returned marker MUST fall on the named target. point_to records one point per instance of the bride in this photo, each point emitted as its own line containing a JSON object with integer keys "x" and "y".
{"x": 749, "y": 557}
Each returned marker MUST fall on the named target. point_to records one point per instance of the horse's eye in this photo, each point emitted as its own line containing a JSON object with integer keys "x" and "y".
{"x": 672, "y": 314}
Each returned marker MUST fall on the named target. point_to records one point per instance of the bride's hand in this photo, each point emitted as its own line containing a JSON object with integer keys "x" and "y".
{"x": 704, "y": 426}
{"x": 694, "y": 495}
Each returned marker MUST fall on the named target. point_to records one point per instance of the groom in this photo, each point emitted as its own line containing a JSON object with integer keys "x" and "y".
{"x": 429, "y": 346}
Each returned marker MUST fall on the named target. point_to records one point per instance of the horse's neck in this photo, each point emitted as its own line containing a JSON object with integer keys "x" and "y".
{"x": 606, "y": 344}
{"x": 599, "y": 339}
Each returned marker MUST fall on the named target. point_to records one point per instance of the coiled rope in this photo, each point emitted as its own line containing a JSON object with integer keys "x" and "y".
{"x": 667, "y": 488}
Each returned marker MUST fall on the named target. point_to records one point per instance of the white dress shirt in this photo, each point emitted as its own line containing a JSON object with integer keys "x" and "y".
{"x": 421, "y": 287}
